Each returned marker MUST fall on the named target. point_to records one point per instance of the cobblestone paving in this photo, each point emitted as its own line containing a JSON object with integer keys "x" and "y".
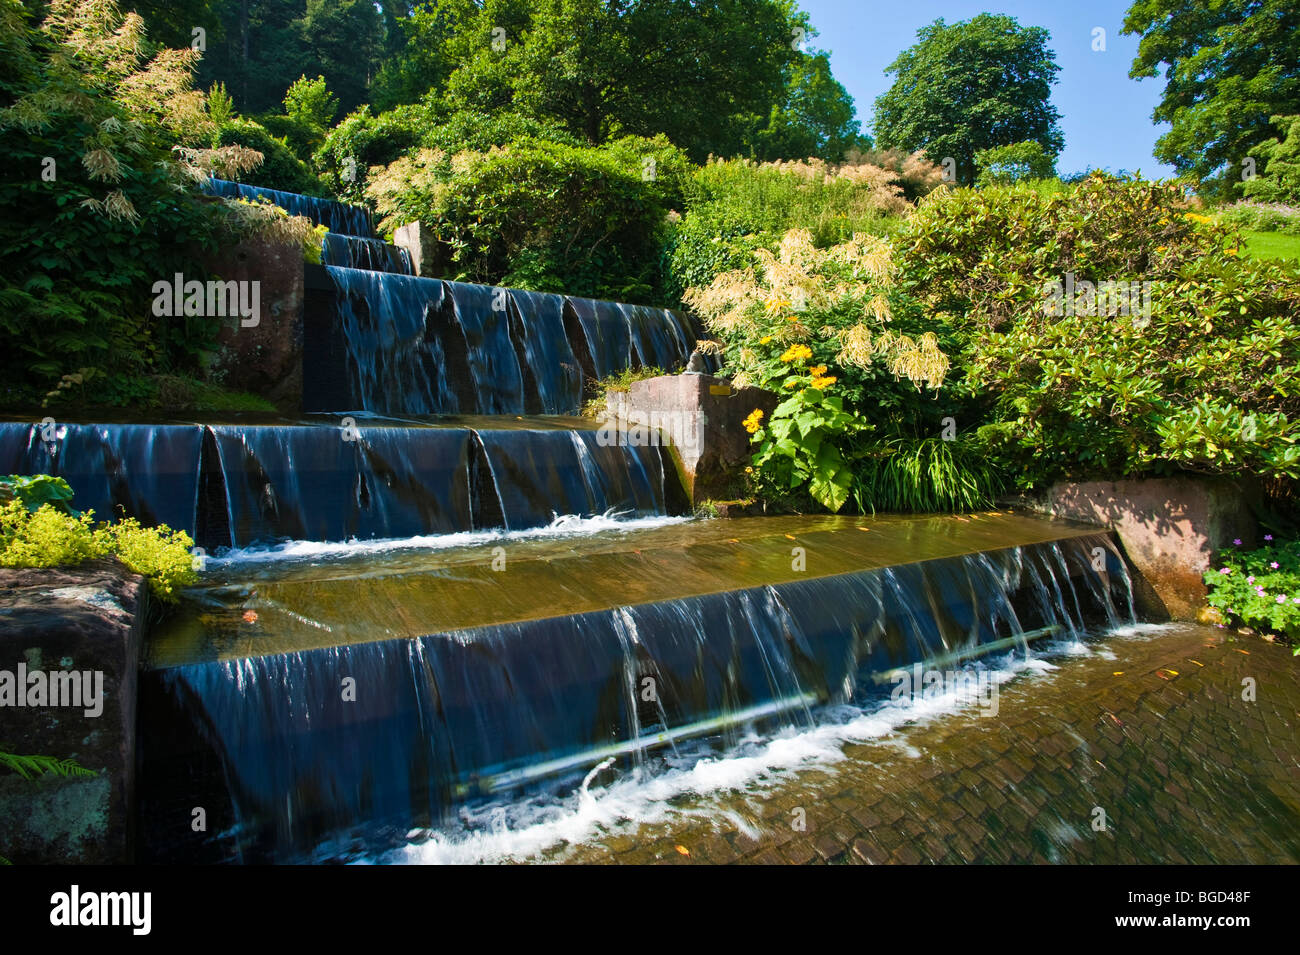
{"x": 1160, "y": 738}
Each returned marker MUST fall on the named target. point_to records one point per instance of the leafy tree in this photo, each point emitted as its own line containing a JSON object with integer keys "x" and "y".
{"x": 1280, "y": 181}
{"x": 309, "y": 101}
{"x": 1004, "y": 164}
{"x": 698, "y": 72}
{"x": 1229, "y": 66}
{"x": 816, "y": 118}
{"x": 970, "y": 86}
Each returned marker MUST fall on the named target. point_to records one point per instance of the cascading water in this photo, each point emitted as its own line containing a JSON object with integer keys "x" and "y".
{"x": 406, "y": 619}
{"x": 444, "y": 719}
{"x": 238, "y": 485}
{"x": 356, "y": 252}
{"x": 335, "y": 216}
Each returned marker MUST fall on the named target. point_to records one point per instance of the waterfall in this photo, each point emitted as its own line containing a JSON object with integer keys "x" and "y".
{"x": 356, "y": 252}
{"x": 336, "y": 216}
{"x": 453, "y": 716}
{"x": 236, "y": 485}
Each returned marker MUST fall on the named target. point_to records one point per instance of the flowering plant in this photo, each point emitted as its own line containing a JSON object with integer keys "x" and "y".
{"x": 1259, "y": 588}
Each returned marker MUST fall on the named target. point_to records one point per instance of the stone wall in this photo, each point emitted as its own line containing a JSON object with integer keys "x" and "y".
{"x": 87, "y": 619}
{"x": 266, "y": 358}
{"x": 1170, "y": 529}
{"x": 703, "y": 418}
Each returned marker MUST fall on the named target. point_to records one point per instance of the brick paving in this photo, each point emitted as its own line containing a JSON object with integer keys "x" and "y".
{"x": 1159, "y": 738}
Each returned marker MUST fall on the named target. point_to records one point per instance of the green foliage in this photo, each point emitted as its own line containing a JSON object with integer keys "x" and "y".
{"x": 220, "y": 106}
{"x": 543, "y": 215}
{"x": 1259, "y": 588}
{"x": 699, "y": 73}
{"x": 801, "y": 444}
{"x": 1006, "y": 164}
{"x": 927, "y": 475}
{"x": 736, "y": 207}
{"x": 37, "y": 491}
{"x": 626, "y": 378}
{"x": 362, "y": 142}
{"x": 816, "y": 117}
{"x": 281, "y": 168}
{"x": 1280, "y": 179}
{"x": 259, "y": 49}
{"x": 49, "y": 537}
{"x": 1198, "y": 375}
{"x": 1227, "y": 67}
{"x": 971, "y": 86}
{"x": 1261, "y": 217}
{"x": 29, "y": 767}
{"x": 310, "y": 102}
{"x": 98, "y": 207}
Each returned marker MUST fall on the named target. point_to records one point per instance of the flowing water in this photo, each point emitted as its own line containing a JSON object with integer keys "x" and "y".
{"x": 440, "y": 621}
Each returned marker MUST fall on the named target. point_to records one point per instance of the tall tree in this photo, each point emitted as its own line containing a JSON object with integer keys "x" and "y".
{"x": 974, "y": 85}
{"x": 1229, "y": 65}
{"x": 692, "y": 70}
{"x": 815, "y": 118}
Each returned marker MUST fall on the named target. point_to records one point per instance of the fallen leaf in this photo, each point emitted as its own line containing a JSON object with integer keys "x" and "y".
{"x": 683, "y": 850}
{"x": 250, "y": 616}
{"x": 1197, "y": 662}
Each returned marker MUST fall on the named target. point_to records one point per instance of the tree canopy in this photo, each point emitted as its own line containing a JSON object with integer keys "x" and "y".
{"x": 970, "y": 86}
{"x": 1228, "y": 67}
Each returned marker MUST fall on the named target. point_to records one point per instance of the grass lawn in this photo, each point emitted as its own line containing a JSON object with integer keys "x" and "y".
{"x": 1271, "y": 245}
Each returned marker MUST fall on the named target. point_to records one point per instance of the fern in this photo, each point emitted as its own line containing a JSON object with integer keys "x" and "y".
{"x": 29, "y": 767}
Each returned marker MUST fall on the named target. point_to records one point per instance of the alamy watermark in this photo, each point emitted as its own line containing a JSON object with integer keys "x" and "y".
{"x": 1080, "y": 297}
{"x": 215, "y": 299}
{"x": 82, "y": 689}
{"x": 920, "y": 683}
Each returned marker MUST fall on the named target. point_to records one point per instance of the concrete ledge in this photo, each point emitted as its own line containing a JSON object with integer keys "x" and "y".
{"x": 1170, "y": 529}
{"x": 88, "y": 619}
{"x": 703, "y": 418}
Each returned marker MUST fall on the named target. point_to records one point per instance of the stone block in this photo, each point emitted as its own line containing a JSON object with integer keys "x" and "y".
{"x": 1170, "y": 529}
{"x": 87, "y": 619}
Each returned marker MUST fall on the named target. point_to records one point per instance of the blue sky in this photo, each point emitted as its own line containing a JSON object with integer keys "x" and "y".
{"x": 1106, "y": 117}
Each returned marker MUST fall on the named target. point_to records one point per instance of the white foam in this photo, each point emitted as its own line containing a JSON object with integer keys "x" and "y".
{"x": 568, "y": 525}
{"x": 528, "y": 827}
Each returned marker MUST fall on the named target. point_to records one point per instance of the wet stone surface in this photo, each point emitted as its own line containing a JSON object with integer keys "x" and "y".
{"x": 1153, "y": 730}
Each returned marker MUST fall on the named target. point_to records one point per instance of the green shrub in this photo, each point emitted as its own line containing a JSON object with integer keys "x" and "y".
{"x": 280, "y": 168}
{"x": 1259, "y": 588}
{"x": 827, "y": 328}
{"x": 537, "y": 214}
{"x": 927, "y": 474}
{"x": 49, "y": 537}
{"x": 98, "y": 207}
{"x": 1019, "y": 161}
{"x": 1261, "y": 217}
{"x": 1204, "y": 382}
{"x": 363, "y": 141}
{"x": 736, "y": 207}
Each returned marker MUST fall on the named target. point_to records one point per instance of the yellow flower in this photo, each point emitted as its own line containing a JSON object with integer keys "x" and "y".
{"x": 1161, "y": 248}
{"x": 774, "y": 304}
{"x": 791, "y": 383}
{"x": 1232, "y": 252}
{"x": 754, "y": 421}
{"x": 823, "y": 383}
{"x": 765, "y": 339}
{"x": 749, "y": 470}
{"x": 1194, "y": 217}
{"x": 797, "y": 353}
{"x": 816, "y": 370}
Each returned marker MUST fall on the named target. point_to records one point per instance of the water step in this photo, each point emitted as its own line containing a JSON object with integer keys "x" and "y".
{"x": 237, "y": 484}
{"x": 291, "y": 731}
